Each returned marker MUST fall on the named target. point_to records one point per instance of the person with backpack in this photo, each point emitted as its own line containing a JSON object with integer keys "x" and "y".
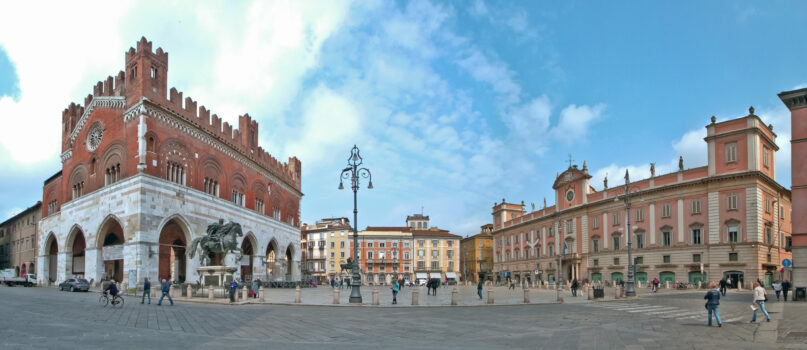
{"x": 166, "y": 288}
{"x": 655, "y": 285}
{"x": 712, "y": 303}
{"x": 395, "y": 288}
{"x": 777, "y": 287}
{"x": 233, "y": 288}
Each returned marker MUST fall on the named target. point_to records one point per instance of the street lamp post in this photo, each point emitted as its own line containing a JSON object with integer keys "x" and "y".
{"x": 353, "y": 172}
{"x": 629, "y": 290}
{"x": 560, "y": 258}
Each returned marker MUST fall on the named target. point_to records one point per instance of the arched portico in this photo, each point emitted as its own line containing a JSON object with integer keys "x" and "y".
{"x": 51, "y": 252}
{"x": 73, "y": 261}
{"x": 271, "y": 260}
{"x": 173, "y": 243}
{"x": 289, "y": 263}
{"x": 247, "y": 252}
{"x": 109, "y": 241}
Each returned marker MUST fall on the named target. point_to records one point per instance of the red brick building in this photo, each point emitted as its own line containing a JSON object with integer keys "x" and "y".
{"x": 144, "y": 171}
{"x": 796, "y": 101}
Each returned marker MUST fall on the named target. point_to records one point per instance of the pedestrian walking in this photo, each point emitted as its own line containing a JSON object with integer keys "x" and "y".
{"x": 166, "y": 289}
{"x": 255, "y": 285}
{"x": 512, "y": 285}
{"x": 655, "y": 285}
{"x": 233, "y": 287}
{"x": 146, "y": 290}
{"x": 723, "y": 284}
{"x": 574, "y": 287}
{"x": 777, "y": 287}
{"x": 435, "y": 285}
{"x": 341, "y": 283}
{"x": 759, "y": 303}
{"x": 395, "y": 287}
{"x": 712, "y": 303}
{"x": 785, "y": 289}
{"x": 479, "y": 289}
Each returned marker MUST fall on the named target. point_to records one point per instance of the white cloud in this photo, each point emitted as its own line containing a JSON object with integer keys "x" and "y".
{"x": 11, "y": 212}
{"x": 800, "y": 86}
{"x": 496, "y": 74}
{"x": 575, "y": 122}
{"x": 779, "y": 117}
{"x": 693, "y": 148}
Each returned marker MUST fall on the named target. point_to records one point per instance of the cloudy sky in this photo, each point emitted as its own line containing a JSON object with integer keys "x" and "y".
{"x": 454, "y": 105}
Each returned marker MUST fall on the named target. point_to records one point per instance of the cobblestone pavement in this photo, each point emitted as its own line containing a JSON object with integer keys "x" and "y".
{"x": 45, "y": 318}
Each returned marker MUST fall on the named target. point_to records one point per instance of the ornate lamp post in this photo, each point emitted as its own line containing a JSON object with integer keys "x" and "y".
{"x": 353, "y": 172}
{"x": 559, "y": 280}
{"x": 629, "y": 290}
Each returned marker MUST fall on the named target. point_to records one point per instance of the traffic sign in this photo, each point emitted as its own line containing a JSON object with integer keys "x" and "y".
{"x": 786, "y": 263}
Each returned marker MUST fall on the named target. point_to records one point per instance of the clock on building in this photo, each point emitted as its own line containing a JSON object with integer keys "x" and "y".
{"x": 94, "y": 137}
{"x": 569, "y": 195}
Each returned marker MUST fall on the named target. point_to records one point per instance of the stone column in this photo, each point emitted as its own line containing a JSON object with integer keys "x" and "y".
{"x": 190, "y": 292}
{"x": 210, "y": 293}
{"x": 63, "y": 266}
{"x": 93, "y": 264}
{"x": 526, "y": 296}
{"x": 590, "y": 291}
{"x": 415, "y": 294}
{"x": 617, "y": 292}
{"x": 297, "y": 295}
{"x": 454, "y": 296}
{"x": 244, "y": 293}
{"x": 336, "y": 296}
{"x": 375, "y": 295}
{"x": 490, "y": 296}
{"x": 260, "y": 294}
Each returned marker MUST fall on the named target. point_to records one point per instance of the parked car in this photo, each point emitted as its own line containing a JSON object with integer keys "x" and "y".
{"x": 75, "y": 284}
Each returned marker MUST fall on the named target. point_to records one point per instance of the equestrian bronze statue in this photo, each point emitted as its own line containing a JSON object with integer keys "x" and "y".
{"x": 220, "y": 239}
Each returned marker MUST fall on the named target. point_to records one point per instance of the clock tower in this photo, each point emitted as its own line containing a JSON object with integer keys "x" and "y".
{"x": 572, "y": 187}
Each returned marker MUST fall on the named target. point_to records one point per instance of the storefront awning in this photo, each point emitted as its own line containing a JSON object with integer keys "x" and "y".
{"x": 451, "y": 275}
{"x": 421, "y": 275}
{"x": 434, "y": 274}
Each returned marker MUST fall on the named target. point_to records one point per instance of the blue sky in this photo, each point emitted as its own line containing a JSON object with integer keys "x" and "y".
{"x": 454, "y": 105}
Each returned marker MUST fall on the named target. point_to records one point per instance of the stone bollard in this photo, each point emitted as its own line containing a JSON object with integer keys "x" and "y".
{"x": 375, "y": 295}
{"x": 526, "y": 296}
{"x": 190, "y": 292}
{"x": 590, "y": 292}
{"x": 210, "y": 293}
{"x": 297, "y": 295}
{"x": 617, "y": 292}
{"x": 490, "y": 296}
{"x": 260, "y": 294}
{"x": 415, "y": 296}
{"x": 336, "y": 296}
{"x": 244, "y": 293}
{"x": 123, "y": 288}
{"x": 454, "y": 296}
{"x": 236, "y": 296}
{"x": 667, "y": 284}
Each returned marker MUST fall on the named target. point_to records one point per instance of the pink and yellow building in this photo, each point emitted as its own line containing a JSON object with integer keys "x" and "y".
{"x": 729, "y": 218}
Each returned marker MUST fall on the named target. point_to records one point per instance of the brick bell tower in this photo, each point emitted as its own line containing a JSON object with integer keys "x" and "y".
{"x": 146, "y": 73}
{"x": 796, "y": 102}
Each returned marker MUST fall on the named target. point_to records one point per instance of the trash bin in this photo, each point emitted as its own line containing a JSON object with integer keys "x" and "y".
{"x": 599, "y": 292}
{"x": 801, "y": 294}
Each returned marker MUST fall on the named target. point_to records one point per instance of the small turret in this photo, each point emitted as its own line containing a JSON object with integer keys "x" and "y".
{"x": 146, "y": 73}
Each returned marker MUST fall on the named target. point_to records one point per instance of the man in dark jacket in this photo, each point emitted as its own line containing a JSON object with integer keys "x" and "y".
{"x": 785, "y": 288}
{"x": 723, "y": 284}
{"x": 146, "y": 291}
{"x": 479, "y": 289}
{"x": 166, "y": 288}
{"x": 233, "y": 287}
{"x": 712, "y": 303}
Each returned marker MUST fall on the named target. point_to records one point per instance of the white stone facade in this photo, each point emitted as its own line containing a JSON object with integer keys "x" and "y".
{"x": 143, "y": 205}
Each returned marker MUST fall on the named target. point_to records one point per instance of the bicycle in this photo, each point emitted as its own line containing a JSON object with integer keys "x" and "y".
{"x": 116, "y": 301}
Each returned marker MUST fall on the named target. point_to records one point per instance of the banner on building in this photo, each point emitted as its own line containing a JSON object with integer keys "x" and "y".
{"x": 113, "y": 252}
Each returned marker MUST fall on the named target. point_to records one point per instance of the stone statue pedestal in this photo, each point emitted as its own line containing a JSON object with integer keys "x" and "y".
{"x": 216, "y": 276}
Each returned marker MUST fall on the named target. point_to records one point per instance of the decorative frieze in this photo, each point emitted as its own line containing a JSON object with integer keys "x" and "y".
{"x": 99, "y": 102}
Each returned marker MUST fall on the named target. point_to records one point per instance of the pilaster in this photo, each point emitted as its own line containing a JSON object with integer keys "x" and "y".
{"x": 714, "y": 217}
{"x": 680, "y": 216}
{"x": 584, "y": 233}
{"x": 651, "y": 231}
{"x": 604, "y": 230}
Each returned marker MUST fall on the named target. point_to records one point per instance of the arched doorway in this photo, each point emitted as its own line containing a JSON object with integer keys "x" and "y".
{"x": 616, "y": 277}
{"x": 246, "y": 258}
{"x": 271, "y": 259}
{"x": 596, "y": 277}
{"x": 52, "y": 252}
{"x": 111, "y": 244}
{"x": 31, "y": 268}
{"x": 289, "y": 262}
{"x": 667, "y": 276}
{"x": 76, "y": 245}
{"x": 697, "y": 276}
{"x": 641, "y": 277}
{"x": 172, "y": 262}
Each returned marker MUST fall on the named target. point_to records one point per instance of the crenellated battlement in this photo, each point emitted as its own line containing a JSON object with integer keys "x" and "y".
{"x": 143, "y": 49}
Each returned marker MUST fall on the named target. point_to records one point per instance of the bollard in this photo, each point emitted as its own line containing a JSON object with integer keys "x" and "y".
{"x": 667, "y": 284}
{"x": 210, "y": 293}
{"x": 336, "y": 296}
{"x": 297, "y": 295}
{"x": 415, "y": 296}
{"x": 375, "y": 295}
{"x": 123, "y": 288}
{"x": 590, "y": 291}
{"x": 526, "y": 296}
{"x": 617, "y": 292}
{"x": 244, "y": 293}
{"x": 490, "y": 296}
{"x": 190, "y": 292}
{"x": 699, "y": 284}
{"x": 454, "y": 296}
{"x": 260, "y": 294}
{"x": 236, "y": 296}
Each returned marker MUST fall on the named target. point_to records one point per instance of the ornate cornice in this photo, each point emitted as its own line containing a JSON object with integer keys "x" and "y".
{"x": 152, "y": 110}
{"x": 67, "y": 155}
{"x": 100, "y": 102}
{"x": 795, "y": 99}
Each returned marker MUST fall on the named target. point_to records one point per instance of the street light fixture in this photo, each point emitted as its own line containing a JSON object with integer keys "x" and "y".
{"x": 353, "y": 172}
{"x": 629, "y": 290}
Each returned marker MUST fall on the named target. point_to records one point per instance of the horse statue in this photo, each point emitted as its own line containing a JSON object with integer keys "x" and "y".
{"x": 220, "y": 239}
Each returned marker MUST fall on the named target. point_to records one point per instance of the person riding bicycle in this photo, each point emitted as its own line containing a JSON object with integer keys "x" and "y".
{"x": 112, "y": 288}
